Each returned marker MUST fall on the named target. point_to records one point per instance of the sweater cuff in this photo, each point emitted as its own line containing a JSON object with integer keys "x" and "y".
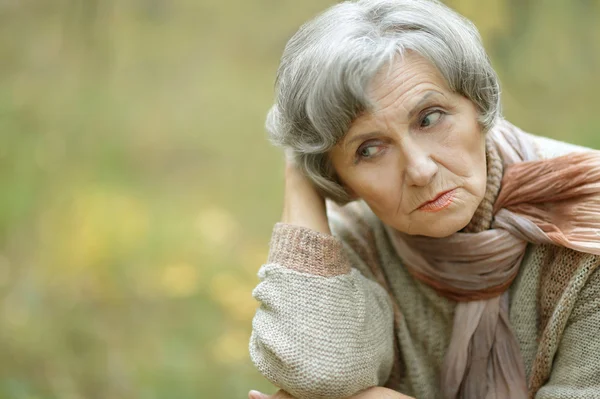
{"x": 308, "y": 251}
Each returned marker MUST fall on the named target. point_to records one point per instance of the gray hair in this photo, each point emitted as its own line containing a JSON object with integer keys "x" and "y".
{"x": 327, "y": 65}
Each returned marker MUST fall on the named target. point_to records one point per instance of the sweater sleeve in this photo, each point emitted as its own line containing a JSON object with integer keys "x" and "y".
{"x": 323, "y": 329}
{"x": 576, "y": 367}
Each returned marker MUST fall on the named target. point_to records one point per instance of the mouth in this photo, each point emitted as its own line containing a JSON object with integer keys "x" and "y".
{"x": 440, "y": 202}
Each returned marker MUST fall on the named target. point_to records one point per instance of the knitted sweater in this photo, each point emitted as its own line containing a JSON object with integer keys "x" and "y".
{"x": 339, "y": 313}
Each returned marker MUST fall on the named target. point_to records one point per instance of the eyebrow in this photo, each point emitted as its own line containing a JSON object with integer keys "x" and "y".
{"x": 422, "y": 101}
{"x": 361, "y": 137}
{"x": 366, "y": 136}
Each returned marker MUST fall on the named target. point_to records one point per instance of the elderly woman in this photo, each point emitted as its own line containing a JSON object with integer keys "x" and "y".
{"x": 455, "y": 255}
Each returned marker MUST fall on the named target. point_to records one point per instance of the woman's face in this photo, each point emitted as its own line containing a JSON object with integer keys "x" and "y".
{"x": 418, "y": 160}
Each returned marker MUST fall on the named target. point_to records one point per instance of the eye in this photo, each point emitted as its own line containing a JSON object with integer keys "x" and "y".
{"x": 431, "y": 118}
{"x": 368, "y": 151}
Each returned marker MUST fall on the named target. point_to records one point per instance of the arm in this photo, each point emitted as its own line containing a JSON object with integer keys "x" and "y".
{"x": 576, "y": 367}
{"x": 322, "y": 330}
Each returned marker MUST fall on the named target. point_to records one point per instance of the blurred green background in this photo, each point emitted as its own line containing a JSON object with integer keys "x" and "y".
{"x": 138, "y": 190}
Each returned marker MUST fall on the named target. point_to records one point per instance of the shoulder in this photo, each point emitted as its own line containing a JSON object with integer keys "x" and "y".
{"x": 516, "y": 144}
{"x": 552, "y": 148}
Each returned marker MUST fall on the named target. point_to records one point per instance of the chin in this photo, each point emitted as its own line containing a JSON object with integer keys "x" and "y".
{"x": 439, "y": 225}
{"x": 449, "y": 225}
{"x": 441, "y": 232}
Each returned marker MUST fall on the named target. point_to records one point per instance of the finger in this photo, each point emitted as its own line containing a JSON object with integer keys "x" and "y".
{"x": 281, "y": 394}
{"x": 379, "y": 393}
{"x": 257, "y": 395}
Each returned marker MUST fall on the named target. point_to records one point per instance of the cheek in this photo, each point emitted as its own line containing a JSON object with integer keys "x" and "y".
{"x": 379, "y": 186}
{"x": 474, "y": 165}
{"x": 466, "y": 151}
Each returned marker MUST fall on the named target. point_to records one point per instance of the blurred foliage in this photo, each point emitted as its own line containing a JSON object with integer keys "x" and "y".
{"x": 139, "y": 191}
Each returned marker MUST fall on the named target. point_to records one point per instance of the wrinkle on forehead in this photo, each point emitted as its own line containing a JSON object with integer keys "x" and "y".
{"x": 398, "y": 92}
{"x": 401, "y": 79}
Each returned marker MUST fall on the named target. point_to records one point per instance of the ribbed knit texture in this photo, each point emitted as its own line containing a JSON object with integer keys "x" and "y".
{"x": 340, "y": 313}
{"x": 482, "y": 219}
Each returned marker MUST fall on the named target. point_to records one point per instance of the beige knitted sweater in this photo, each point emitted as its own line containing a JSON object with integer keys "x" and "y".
{"x": 340, "y": 313}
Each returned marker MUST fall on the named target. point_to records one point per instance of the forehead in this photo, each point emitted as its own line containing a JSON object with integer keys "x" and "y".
{"x": 403, "y": 79}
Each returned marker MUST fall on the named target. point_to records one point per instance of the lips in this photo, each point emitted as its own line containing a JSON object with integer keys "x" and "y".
{"x": 441, "y": 201}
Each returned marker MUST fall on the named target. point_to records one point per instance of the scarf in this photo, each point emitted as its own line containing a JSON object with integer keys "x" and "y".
{"x": 554, "y": 201}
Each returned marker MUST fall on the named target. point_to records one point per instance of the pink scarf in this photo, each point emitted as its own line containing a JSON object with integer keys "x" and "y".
{"x": 554, "y": 201}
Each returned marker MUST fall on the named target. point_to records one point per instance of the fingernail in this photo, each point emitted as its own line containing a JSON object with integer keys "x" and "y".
{"x": 256, "y": 395}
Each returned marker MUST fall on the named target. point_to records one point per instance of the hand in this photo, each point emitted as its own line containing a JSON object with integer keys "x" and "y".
{"x": 303, "y": 205}
{"x": 370, "y": 393}
{"x": 281, "y": 394}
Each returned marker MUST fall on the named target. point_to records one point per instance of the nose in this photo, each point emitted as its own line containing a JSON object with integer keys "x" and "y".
{"x": 420, "y": 168}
